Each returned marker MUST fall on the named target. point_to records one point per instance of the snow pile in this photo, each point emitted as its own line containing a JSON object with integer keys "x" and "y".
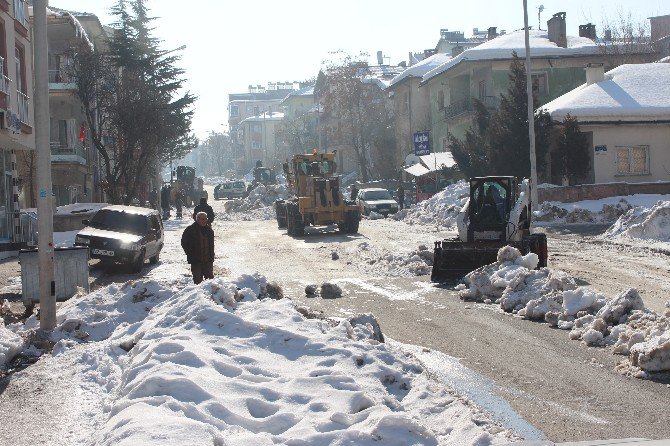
{"x": 588, "y": 211}
{"x": 216, "y": 364}
{"x": 441, "y": 209}
{"x": 643, "y": 223}
{"x": 552, "y": 296}
{"x": 259, "y": 204}
{"x": 10, "y": 344}
{"x": 417, "y": 262}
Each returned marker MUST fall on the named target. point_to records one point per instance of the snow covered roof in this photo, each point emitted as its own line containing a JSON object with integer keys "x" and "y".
{"x": 380, "y": 75}
{"x": 431, "y": 163}
{"x": 308, "y": 91}
{"x": 421, "y": 68}
{"x": 501, "y": 48}
{"x": 275, "y": 116}
{"x": 417, "y": 170}
{"x": 628, "y": 93}
{"x": 435, "y": 161}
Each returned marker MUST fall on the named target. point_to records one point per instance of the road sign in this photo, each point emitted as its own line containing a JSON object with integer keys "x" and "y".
{"x": 421, "y": 143}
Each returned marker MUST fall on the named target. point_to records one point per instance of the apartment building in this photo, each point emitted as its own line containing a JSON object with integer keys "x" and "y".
{"x": 17, "y": 139}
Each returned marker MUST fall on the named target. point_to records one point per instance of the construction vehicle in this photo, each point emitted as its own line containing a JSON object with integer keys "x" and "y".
{"x": 262, "y": 175}
{"x": 316, "y": 196}
{"x": 497, "y": 213}
{"x": 186, "y": 181}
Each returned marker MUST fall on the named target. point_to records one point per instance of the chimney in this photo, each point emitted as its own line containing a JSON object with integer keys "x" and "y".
{"x": 595, "y": 72}
{"x": 429, "y": 52}
{"x": 456, "y": 50}
{"x": 608, "y": 35}
{"x": 492, "y": 34}
{"x": 380, "y": 58}
{"x": 556, "y": 30}
{"x": 588, "y": 31}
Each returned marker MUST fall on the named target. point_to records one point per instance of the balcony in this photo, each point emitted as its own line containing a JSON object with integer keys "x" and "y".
{"x": 23, "y": 108}
{"x": 465, "y": 106}
{"x": 20, "y": 17}
{"x": 62, "y": 152}
{"x": 60, "y": 80}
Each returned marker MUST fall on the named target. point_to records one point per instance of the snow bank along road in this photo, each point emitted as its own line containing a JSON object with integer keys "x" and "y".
{"x": 566, "y": 390}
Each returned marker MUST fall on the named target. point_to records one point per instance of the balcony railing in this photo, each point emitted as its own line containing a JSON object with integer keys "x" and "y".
{"x": 62, "y": 148}
{"x": 4, "y": 80}
{"x": 59, "y": 77}
{"x": 457, "y": 108}
{"x": 464, "y": 106}
{"x": 23, "y": 107}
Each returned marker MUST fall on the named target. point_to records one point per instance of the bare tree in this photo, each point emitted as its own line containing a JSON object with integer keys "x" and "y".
{"x": 358, "y": 111}
{"x": 626, "y": 41}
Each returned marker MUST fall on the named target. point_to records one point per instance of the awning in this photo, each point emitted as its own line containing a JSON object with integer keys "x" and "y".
{"x": 436, "y": 161}
{"x": 417, "y": 170}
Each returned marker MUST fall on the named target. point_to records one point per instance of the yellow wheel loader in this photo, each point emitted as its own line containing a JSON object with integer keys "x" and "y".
{"x": 316, "y": 196}
{"x": 497, "y": 213}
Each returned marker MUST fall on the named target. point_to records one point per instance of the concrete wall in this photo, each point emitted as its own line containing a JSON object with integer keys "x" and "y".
{"x": 656, "y": 136}
{"x": 570, "y": 194}
{"x": 412, "y": 114}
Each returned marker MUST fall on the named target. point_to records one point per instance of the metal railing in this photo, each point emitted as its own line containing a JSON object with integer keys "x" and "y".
{"x": 59, "y": 77}
{"x": 63, "y": 148}
{"x": 457, "y": 108}
{"x": 464, "y": 106}
{"x": 4, "y": 80}
{"x": 23, "y": 107}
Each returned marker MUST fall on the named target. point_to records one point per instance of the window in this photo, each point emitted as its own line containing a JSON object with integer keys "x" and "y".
{"x": 256, "y": 111}
{"x": 256, "y": 128}
{"x": 445, "y": 143}
{"x": 3, "y": 48}
{"x": 234, "y": 110}
{"x": 540, "y": 83}
{"x": 482, "y": 90}
{"x": 440, "y": 100}
{"x": 632, "y": 160}
{"x": 405, "y": 103}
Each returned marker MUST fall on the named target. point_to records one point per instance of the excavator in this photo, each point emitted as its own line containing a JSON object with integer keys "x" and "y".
{"x": 497, "y": 213}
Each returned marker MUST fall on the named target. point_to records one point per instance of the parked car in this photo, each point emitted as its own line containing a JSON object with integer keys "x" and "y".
{"x": 376, "y": 200}
{"x": 123, "y": 234}
{"x": 230, "y": 189}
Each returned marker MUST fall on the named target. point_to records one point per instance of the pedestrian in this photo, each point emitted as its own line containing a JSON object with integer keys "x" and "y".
{"x": 198, "y": 244}
{"x": 204, "y": 207}
{"x": 165, "y": 201}
{"x": 354, "y": 192}
{"x": 401, "y": 196}
{"x": 153, "y": 198}
{"x": 179, "y": 202}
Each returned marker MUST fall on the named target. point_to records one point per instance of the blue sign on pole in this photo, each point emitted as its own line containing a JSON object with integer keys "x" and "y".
{"x": 421, "y": 143}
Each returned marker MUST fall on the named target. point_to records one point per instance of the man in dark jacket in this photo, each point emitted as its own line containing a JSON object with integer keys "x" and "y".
{"x": 204, "y": 207}
{"x": 198, "y": 244}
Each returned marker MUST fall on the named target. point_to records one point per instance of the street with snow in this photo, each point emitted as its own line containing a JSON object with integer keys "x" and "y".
{"x": 334, "y": 338}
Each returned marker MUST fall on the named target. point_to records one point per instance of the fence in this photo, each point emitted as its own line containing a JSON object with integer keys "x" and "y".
{"x": 570, "y": 194}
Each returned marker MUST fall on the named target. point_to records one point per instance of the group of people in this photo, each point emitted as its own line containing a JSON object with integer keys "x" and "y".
{"x": 197, "y": 241}
{"x": 166, "y": 198}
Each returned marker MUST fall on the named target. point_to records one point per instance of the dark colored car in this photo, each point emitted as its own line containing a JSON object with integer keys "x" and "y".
{"x": 123, "y": 234}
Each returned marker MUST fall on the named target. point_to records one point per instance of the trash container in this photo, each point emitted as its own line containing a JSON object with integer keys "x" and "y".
{"x": 70, "y": 272}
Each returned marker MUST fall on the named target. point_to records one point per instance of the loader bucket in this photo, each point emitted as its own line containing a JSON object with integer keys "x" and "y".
{"x": 454, "y": 259}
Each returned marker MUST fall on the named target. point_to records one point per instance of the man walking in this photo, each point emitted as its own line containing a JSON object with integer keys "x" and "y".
{"x": 204, "y": 207}
{"x": 198, "y": 244}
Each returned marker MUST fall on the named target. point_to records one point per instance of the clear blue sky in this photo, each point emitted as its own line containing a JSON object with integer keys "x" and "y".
{"x": 231, "y": 44}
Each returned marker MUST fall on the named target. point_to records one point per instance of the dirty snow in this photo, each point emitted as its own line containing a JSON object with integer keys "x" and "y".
{"x": 650, "y": 224}
{"x": 258, "y": 205}
{"x": 10, "y": 344}
{"x": 622, "y": 323}
{"x": 219, "y": 363}
{"x": 440, "y": 210}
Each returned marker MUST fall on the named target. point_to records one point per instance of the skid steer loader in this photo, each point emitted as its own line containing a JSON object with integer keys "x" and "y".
{"x": 498, "y": 213}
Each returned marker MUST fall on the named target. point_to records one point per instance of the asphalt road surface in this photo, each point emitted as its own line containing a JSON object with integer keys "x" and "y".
{"x": 566, "y": 390}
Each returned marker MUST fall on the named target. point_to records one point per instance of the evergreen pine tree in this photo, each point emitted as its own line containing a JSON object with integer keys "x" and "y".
{"x": 472, "y": 154}
{"x": 573, "y": 148}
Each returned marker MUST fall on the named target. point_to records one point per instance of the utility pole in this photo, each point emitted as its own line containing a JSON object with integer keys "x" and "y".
{"x": 44, "y": 197}
{"x": 531, "y": 113}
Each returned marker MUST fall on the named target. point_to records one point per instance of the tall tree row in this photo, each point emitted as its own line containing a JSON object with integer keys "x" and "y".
{"x": 134, "y": 103}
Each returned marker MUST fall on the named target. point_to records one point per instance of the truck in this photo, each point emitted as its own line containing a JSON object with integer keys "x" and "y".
{"x": 316, "y": 198}
{"x": 186, "y": 181}
{"x": 497, "y": 213}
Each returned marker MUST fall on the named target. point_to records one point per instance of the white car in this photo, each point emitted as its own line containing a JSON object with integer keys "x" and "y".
{"x": 376, "y": 200}
{"x": 230, "y": 189}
